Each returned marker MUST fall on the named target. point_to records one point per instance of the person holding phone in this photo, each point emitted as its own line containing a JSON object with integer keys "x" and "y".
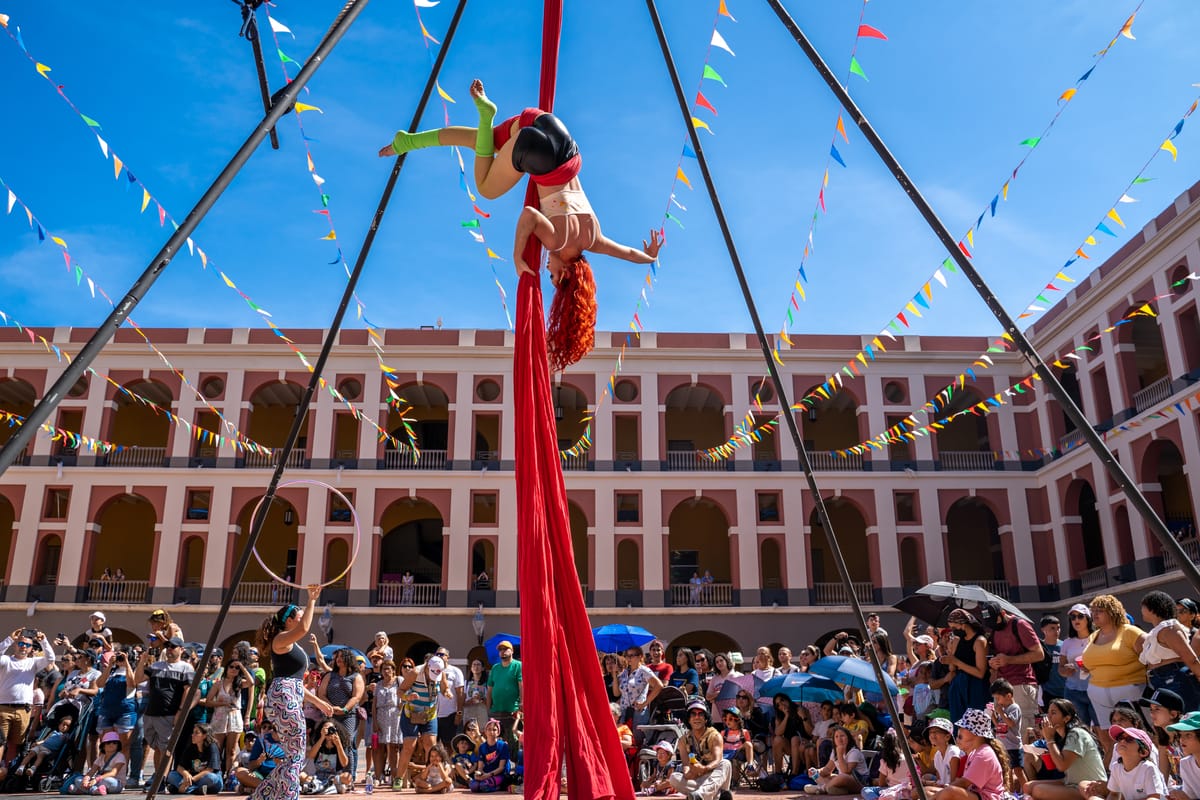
{"x": 18, "y": 673}
{"x": 116, "y": 705}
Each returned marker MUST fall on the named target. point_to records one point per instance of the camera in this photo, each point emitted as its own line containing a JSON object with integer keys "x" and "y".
{"x": 31, "y": 633}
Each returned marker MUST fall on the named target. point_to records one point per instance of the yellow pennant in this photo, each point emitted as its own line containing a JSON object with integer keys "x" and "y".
{"x": 1090, "y": 240}
{"x": 1127, "y": 28}
{"x": 306, "y": 107}
{"x": 42, "y": 69}
{"x": 492, "y": 254}
{"x": 1169, "y": 146}
{"x": 1115, "y": 217}
{"x": 145, "y": 199}
{"x": 332, "y": 235}
{"x": 681, "y": 176}
{"x": 59, "y": 242}
{"x": 1067, "y": 95}
{"x": 971, "y": 237}
{"x": 443, "y": 94}
{"x": 724, "y": 11}
{"x": 699, "y": 123}
{"x": 1004, "y": 190}
{"x": 4, "y": 20}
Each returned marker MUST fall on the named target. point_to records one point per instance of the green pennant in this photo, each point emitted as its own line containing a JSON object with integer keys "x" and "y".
{"x": 857, "y": 69}
{"x": 1031, "y": 142}
{"x": 90, "y": 121}
{"x": 712, "y": 75}
{"x": 1142, "y": 180}
{"x": 285, "y": 58}
{"x": 674, "y": 219}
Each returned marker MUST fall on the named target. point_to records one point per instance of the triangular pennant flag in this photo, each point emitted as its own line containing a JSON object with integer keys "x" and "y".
{"x": 492, "y": 254}
{"x": 681, "y": 176}
{"x": 724, "y": 11}
{"x": 1169, "y": 146}
{"x": 702, "y": 101}
{"x": 1067, "y": 95}
{"x": 1031, "y": 142}
{"x": 835, "y": 155}
{"x": 712, "y": 75}
{"x": 1127, "y": 28}
{"x": 688, "y": 152}
{"x": 1115, "y": 217}
{"x": 12, "y": 199}
{"x": 284, "y": 57}
{"x": 719, "y": 41}
{"x": 1126, "y": 199}
{"x": 42, "y": 70}
{"x": 699, "y": 123}
{"x": 442, "y": 93}
{"x": 145, "y": 199}
{"x": 856, "y": 69}
{"x": 866, "y": 31}
{"x": 841, "y": 128}
{"x": 1104, "y": 229}
{"x": 306, "y": 107}
{"x": 279, "y": 27}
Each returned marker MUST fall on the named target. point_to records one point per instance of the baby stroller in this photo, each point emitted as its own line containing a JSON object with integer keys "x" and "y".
{"x": 664, "y": 726}
{"x": 54, "y": 770}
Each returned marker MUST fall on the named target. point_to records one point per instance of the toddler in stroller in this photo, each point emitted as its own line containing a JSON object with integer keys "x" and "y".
{"x": 49, "y": 745}
{"x": 664, "y": 726}
{"x": 62, "y": 736}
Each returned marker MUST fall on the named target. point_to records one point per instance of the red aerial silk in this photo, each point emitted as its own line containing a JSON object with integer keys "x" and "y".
{"x": 566, "y": 707}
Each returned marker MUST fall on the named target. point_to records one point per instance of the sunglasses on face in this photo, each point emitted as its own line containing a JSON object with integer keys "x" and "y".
{"x": 172, "y": 647}
{"x": 633, "y": 655}
{"x": 696, "y": 713}
{"x": 24, "y": 644}
{"x": 1124, "y": 738}
{"x": 1077, "y": 616}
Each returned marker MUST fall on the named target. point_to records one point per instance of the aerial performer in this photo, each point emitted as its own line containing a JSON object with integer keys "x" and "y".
{"x": 537, "y": 144}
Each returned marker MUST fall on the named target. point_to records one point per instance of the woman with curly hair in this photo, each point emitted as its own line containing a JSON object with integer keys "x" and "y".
{"x": 343, "y": 688}
{"x": 1113, "y": 659}
{"x": 536, "y": 143}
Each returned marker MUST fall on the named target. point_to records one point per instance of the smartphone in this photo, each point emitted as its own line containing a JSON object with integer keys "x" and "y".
{"x": 30, "y": 632}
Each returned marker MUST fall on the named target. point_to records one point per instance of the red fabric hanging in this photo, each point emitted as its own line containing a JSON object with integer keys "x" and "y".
{"x": 566, "y": 707}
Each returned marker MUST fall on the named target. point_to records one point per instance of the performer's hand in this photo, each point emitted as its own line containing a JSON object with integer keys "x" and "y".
{"x": 655, "y": 244}
{"x": 314, "y": 592}
{"x": 387, "y": 151}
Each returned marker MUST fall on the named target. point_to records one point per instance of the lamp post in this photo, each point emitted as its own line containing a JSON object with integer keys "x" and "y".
{"x": 478, "y": 623}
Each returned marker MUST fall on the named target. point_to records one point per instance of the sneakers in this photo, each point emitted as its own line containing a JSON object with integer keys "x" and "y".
{"x": 102, "y": 789}
{"x": 814, "y": 788}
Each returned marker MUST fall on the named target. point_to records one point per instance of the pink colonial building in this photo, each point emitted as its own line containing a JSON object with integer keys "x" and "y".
{"x": 1006, "y": 500}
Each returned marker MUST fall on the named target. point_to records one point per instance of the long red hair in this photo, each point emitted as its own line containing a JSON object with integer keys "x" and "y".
{"x": 571, "y": 330}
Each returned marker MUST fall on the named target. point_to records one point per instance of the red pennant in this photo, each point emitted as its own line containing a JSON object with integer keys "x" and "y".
{"x": 866, "y": 31}
{"x": 900, "y": 317}
{"x": 702, "y": 101}
{"x": 480, "y": 212}
{"x": 821, "y": 199}
{"x": 963, "y": 247}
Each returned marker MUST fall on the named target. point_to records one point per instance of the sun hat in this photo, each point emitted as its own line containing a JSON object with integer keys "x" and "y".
{"x": 1162, "y": 697}
{"x": 667, "y": 746}
{"x": 462, "y": 737}
{"x": 175, "y": 641}
{"x": 111, "y": 736}
{"x": 1135, "y": 733}
{"x": 977, "y": 722}
{"x": 1188, "y": 722}
{"x": 941, "y": 723}
{"x": 846, "y": 650}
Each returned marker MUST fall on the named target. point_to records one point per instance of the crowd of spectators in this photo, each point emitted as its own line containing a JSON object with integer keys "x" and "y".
{"x": 990, "y": 707}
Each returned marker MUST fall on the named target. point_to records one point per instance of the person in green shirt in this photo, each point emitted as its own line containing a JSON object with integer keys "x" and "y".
{"x": 504, "y": 692}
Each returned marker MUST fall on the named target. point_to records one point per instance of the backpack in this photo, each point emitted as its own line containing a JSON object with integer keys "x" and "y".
{"x": 1043, "y": 669}
{"x": 773, "y": 782}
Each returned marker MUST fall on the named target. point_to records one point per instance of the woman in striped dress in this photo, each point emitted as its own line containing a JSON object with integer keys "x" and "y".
{"x": 418, "y": 714}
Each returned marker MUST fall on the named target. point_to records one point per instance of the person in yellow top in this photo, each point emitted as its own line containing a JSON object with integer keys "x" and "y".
{"x": 1112, "y": 657}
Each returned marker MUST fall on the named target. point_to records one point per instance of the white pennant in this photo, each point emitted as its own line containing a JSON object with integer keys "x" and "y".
{"x": 719, "y": 41}
{"x": 279, "y": 27}
{"x": 12, "y": 199}
{"x": 425, "y": 3}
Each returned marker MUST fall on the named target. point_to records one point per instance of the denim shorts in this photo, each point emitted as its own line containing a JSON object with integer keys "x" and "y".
{"x": 125, "y": 723}
{"x": 410, "y": 728}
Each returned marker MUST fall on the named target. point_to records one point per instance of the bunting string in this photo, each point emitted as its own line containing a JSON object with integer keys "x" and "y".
{"x": 121, "y": 169}
{"x": 922, "y": 299}
{"x": 474, "y": 225}
{"x": 75, "y": 439}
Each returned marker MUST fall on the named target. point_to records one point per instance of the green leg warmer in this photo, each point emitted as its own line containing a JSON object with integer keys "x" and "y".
{"x": 485, "y": 147}
{"x": 405, "y": 141}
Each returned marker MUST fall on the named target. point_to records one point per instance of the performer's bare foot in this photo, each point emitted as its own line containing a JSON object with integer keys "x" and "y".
{"x": 485, "y": 106}
{"x": 522, "y": 267}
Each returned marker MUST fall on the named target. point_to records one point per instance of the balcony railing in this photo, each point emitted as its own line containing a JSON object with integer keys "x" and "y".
{"x": 1152, "y": 395}
{"x": 1190, "y": 546}
{"x": 576, "y": 462}
{"x": 404, "y": 459}
{"x": 393, "y": 593}
{"x": 832, "y": 462}
{"x": 692, "y": 461}
{"x": 1070, "y": 441}
{"x": 254, "y": 460}
{"x": 835, "y": 594}
{"x": 966, "y": 460}
{"x": 136, "y": 457}
{"x": 263, "y": 593}
{"x": 998, "y": 588}
{"x": 1092, "y": 579}
{"x": 708, "y": 594}
{"x": 123, "y": 591}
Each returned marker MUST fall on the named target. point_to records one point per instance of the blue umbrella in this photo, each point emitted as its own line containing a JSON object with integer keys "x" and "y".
{"x": 616, "y": 638}
{"x": 803, "y": 687}
{"x": 853, "y": 672}
{"x": 328, "y": 650}
{"x": 490, "y": 645}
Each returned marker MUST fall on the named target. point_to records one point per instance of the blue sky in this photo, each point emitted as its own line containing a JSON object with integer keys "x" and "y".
{"x": 953, "y": 91}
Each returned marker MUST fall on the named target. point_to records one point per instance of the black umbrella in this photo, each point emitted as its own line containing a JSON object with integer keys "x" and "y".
{"x": 934, "y": 602}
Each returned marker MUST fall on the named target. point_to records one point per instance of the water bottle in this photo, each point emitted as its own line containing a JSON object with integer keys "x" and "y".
{"x": 369, "y": 785}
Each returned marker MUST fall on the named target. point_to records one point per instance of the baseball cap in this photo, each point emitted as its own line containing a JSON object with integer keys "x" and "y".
{"x": 667, "y": 746}
{"x": 175, "y": 641}
{"x": 1134, "y": 733}
{"x": 1080, "y": 608}
{"x": 503, "y": 644}
{"x": 1162, "y": 697}
{"x": 697, "y": 704}
{"x": 99, "y": 615}
{"x": 846, "y": 650}
{"x": 380, "y": 633}
{"x": 436, "y": 666}
{"x": 924, "y": 638}
{"x": 1188, "y": 722}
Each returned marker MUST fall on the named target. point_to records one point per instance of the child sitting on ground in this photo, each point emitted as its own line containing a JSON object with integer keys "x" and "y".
{"x": 657, "y": 782}
{"x": 1133, "y": 774}
{"x": 462, "y": 763}
{"x": 435, "y": 779}
{"x": 50, "y": 745}
{"x": 946, "y": 754}
{"x": 328, "y": 762}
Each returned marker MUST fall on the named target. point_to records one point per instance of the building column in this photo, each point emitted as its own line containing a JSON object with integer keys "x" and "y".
{"x": 748, "y": 586}
{"x": 934, "y": 537}
{"x": 71, "y": 581}
{"x": 311, "y": 537}
{"x": 505, "y": 580}
{"x": 216, "y": 548}
{"x": 654, "y": 542}
{"x": 458, "y": 550}
{"x": 360, "y": 580}
{"x": 24, "y": 542}
{"x": 651, "y": 422}
{"x": 795, "y": 540}
{"x": 166, "y": 569}
{"x": 604, "y": 549}
{"x": 890, "y": 586}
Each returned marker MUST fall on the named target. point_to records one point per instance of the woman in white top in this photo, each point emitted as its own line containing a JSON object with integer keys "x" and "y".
{"x": 1167, "y": 652}
{"x": 1069, "y": 666}
{"x": 846, "y": 772}
{"x": 724, "y": 670}
{"x": 225, "y": 699}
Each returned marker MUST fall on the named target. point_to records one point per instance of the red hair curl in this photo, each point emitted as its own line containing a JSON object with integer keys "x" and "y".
{"x": 571, "y": 329}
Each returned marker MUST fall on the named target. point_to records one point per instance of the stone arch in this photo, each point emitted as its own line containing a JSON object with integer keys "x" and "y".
{"x": 412, "y": 541}
{"x": 830, "y": 424}
{"x": 966, "y": 433}
{"x": 272, "y": 409}
{"x": 698, "y": 541}
{"x": 850, "y": 525}
{"x": 912, "y": 563}
{"x": 1163, "y": 464}
{"x": 694, "y": 419}
{"x": 973, "y": 549}
{"x": 125, "y": 540}
{"x": 629, "y": 565}
{"x": 191, "y": 563}
{"x": 278, "y": 543}
{"x": 430, "y": 416}
{"x": 17, "y": 396}
{"x": 715, "y": 641}
{"x": 137, "y": 423}
{"x": 579, "y": 540}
